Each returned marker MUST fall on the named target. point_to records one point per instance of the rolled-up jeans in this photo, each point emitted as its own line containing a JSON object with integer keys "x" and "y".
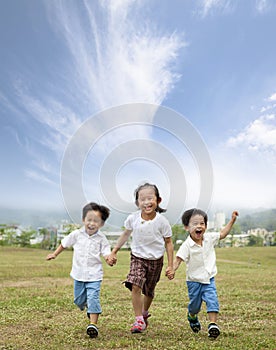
{"x": 199, "y": 292}
{"x": 87, "y": 294}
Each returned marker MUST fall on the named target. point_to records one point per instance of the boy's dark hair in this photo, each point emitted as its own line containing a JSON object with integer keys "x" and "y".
{"x": 96, "y": 207}
{"x": 136, "y": 194}
{"x": 192, "y": 212}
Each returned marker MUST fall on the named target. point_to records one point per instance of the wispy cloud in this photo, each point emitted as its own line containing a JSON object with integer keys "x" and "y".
{"x": 38, "y": 176}
{"x": 119, "y": 58}
{"x": 112, "y": 58}
{"x": 211, "y": 7}
{"x": 264, "y": 6}
{"x": 15, "y": 135}
{"x": 51, "y": 113}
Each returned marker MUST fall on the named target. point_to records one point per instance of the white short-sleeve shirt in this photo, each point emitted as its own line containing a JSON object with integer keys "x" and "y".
{"x": 200, "y": 260}
{"x": 87, "y": 264}
{"x": 148, "y": 235}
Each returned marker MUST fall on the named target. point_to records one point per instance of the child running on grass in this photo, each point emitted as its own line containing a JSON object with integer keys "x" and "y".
{"x": 198, "y": 252}
{"x": 151, "y": 236}
{"x": 89, "y": 244}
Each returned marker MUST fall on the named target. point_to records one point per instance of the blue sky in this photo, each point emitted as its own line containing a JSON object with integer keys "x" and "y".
{"x": 210, "y": 61}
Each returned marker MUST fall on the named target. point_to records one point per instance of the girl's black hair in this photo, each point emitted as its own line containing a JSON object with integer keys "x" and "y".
{"x": 96, "y": 207}
{"x": 136, "y": 194}
{"x": 192, "y": 212}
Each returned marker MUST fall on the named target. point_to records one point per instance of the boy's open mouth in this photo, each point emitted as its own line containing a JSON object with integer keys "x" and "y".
{"x": 198, "y": 232}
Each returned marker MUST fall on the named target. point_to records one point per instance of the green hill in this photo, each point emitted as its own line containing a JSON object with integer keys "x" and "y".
{"x": 263, "y": 219}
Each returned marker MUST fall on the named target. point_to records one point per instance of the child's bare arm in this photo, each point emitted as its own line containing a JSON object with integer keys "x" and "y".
{"x": 177, "y": 262}
{"x": 53, "y": 255}
{"x": 169, "y": 250}
{"x": 112, "y": 258}
{"x": 224, "y": 232}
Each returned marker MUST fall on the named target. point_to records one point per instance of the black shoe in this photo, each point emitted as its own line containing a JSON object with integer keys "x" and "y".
{"x": 92, "y": 331}
{"x": 213, "y": 331}
{"x": 194, "y": 323}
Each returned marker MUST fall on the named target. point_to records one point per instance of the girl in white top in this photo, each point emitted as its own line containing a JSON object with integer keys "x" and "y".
{"x": 151, "y": 237}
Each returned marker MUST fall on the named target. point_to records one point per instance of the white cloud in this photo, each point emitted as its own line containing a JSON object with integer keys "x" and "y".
{"x": 116, "y": 56}
{"x": 260, "y": 135}
{"x": 245, "y": 166}
{"x": 209, "y": 7}
{"x": 265, "y": 6}
{"x": 272, "y": 97}
{"x": 119, "y": 58}
{"x": 242, "y": 180}
{"x": 262, "y": 6}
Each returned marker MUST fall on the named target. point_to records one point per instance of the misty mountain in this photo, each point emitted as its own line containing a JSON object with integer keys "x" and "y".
{"x": 261, "y": 219}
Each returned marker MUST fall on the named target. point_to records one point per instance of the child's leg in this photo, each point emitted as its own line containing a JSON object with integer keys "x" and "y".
{"x": 135, "y": 281}
{"x": 93, "y": 318}
{"x": 213, "y": 316}
{"x": 147, "y": 302}
{"x": 194, "y": 292}
{"x": 93, "y": 300}
{"x": 137, "y": 300}
{"x": 154, "y": 269}
{"x": 93, "y": 307}
{"x": 211, "y": 299}
{"x": 80, "y": 297}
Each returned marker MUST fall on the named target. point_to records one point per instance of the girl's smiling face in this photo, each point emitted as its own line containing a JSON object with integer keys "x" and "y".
{"x": 92, "y": 222}
{"x": 196, "y": 228}
{"x": 147, "y": 202}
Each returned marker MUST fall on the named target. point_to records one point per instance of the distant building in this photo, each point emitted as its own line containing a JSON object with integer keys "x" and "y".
{"x": 239, "y": 240}
{"x": 267, "y": 237}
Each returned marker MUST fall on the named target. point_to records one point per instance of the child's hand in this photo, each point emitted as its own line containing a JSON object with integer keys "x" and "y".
{"x": 111, "y": 259}
{"x": 234, "y": 215}
{"x": 51, "y": 256}
{"x": 169, "y": 273}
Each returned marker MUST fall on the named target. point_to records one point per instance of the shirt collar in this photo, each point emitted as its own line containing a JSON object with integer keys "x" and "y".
{"x": 192, "y": 242}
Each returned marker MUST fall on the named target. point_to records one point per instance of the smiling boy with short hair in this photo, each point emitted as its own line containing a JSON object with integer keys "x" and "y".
{"x": 89, "y": 245}
{"x": 198, "y": 252}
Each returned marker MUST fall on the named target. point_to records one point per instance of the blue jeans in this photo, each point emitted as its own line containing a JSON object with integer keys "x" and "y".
{"x": 199, "y": 292}
{"x": 87, "y": 294}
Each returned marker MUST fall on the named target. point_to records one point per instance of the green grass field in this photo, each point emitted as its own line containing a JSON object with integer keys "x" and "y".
{"x": 37, "y": 310}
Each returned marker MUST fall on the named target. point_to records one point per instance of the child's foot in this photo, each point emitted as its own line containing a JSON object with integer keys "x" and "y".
{"x": 138, "y": 326}
{"x": 146, "y": 315}
{"x": 213, "y": 331}
{"x": 194, "y": 323}
{"x": 92, "y": 331}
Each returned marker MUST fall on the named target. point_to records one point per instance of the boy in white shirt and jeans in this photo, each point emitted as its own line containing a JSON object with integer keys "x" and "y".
{"x": 89, "y": 244}
{"x": 198, "y": 252}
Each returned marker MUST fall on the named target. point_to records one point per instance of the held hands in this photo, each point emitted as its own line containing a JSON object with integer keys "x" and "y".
{"x": 170, "y": 273}
{"x": 111, "y": 259}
